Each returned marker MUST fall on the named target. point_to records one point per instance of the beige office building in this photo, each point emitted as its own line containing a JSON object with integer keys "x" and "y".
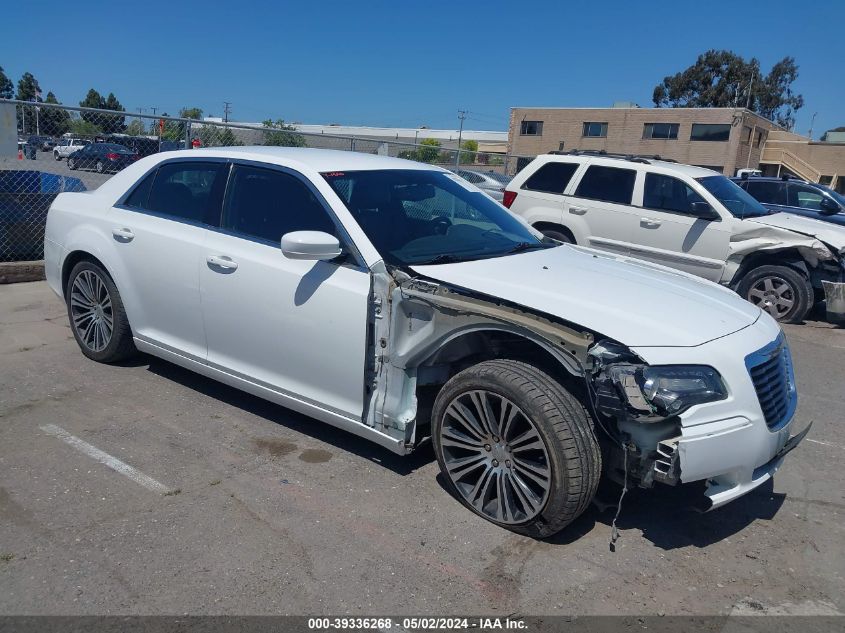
{"x": 724, "y": 139}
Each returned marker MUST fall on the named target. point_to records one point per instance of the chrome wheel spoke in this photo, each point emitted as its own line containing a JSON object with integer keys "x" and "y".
{"x": 495, "y": 457}
{"x": 91, "y": 310}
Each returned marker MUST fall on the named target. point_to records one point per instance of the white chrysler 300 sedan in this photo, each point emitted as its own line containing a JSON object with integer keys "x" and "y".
{"x": 396, "y": 301}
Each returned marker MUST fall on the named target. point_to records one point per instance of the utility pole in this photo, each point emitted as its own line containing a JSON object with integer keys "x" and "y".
{"x": 462, "y": 114}
{"x": 750, "y": 88}
{"x": 812, "y": 123}
{"x": 227, "y": 108}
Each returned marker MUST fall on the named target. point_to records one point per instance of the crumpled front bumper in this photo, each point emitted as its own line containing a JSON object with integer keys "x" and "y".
{"x": 722, "y": 489}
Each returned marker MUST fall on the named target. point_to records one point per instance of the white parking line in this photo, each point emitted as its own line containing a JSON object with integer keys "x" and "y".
{"x": 104, "y": 458}
{"x": 826, "y": 444}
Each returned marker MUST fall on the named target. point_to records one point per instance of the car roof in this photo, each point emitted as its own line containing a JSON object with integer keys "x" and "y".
{"x": 775, "y": 179}
{"x": 642, "y": 162}
{"x": 317, "y": 159}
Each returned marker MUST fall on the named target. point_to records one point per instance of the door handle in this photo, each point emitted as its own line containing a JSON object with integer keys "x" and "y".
{"x": 577, "y": 210}
{"x": 223, "y": 262}
{"x": 123, "y": 235}
{"x": 649, "y": 223}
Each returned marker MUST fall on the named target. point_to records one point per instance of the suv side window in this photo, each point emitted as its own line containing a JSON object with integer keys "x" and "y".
{"x": 551, "y": 177}
{"x": 804, "y": 197}
{"x": 766, "y": 191}
{"x": 267, "y": 203}
{"x": 182, "y": 190}
{"x": 609, "y": 184}
{"x": 668, "y": 194}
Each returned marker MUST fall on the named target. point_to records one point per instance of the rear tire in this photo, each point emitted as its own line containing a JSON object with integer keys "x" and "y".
{"x": 97, "y": 317}
{"x": 534, "y": 474}
{"x": 781, "y": 291}
{"x": 71, "y": 163}
{"x": 99, "y": 167}
{"x": 557, "y": 235}
{"x": 56, "y": 156}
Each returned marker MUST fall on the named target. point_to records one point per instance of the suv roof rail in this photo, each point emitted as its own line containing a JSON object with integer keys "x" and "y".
{"x": 634, "y": 158}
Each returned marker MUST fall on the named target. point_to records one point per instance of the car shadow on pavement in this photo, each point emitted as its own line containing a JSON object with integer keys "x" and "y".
{"x": 667, "y": 516}
{"x": 342, "y": 440}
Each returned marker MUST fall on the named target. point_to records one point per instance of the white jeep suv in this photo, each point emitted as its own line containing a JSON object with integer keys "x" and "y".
{"x": 689, "y": 218}
{"x": 397, "y": 301}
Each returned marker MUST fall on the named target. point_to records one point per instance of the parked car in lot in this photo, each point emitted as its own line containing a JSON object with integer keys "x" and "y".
{"x": 43, "y": 143}
{"x": 393, "y": 300}
{"x": 688, "y": 218}
{"x": 489, "y": 182}
{"x": 68, "y": 146}
{"x": 790, "y": 195}
{"x": 102, "y": 157}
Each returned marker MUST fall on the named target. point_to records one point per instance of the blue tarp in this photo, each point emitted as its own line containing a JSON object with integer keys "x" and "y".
{"x": 25, "y": 198}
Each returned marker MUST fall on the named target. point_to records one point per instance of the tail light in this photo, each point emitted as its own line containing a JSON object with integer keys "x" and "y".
{"x": 508, "y": 198}
{"x": 136, "y": 156}
{"x": 112, "y": 156}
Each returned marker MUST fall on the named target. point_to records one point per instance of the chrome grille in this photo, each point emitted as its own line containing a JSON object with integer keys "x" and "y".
{"x": 771, "y": 372}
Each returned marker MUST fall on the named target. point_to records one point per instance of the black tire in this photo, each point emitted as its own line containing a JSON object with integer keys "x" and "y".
{"x": 100, "y": 167}
{"x": 789, "y": 298}
{"x": 56, "y": 156}
{"x": 120, "y": 345}
{"x": 71, "y": 163}
{"x": 562, "y": 423}
{"x": 557, "y": 235}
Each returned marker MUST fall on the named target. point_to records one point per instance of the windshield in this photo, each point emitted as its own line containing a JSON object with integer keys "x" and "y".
{"x": 738, "y": 201}
{"x": 836, "y": 196}
{"x": 429, "y": 217}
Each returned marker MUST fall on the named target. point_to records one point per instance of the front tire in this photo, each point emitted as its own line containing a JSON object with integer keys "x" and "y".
{"x": 557, "y": 235}
{"x": 97, "y": 317}
{"x": 779, "y": 290}
{"x": 71, "y": 163}
{"x": 56, "y": 156}
{"x": 515, "y": 447}
{"x": 100, "y": 167}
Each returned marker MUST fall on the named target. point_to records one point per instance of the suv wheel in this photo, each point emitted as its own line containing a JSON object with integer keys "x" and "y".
{"x": 71, "y": 163}
{"x": 779, "y": 290}
{"x": 515, "y": 447}
{"x": 96, "y": 314}
{"x": 56, "y": 156}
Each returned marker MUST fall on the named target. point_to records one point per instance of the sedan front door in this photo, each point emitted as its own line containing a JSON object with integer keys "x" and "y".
{"x": 297, "y": 327}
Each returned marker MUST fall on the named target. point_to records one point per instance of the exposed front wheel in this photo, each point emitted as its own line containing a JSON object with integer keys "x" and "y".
{"x": 515, "y": 447}
{"x": 96, "y": 314}
{"x": 779, "y": 290}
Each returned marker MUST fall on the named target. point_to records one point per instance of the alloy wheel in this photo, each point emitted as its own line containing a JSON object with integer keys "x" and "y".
{"x": 91, "y": 310}
{"x": 774, "y": 295}
{"x": 495, "y": 457}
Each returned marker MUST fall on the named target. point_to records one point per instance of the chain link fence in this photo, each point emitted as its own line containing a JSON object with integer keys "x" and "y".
{"x": 63, "y": 148}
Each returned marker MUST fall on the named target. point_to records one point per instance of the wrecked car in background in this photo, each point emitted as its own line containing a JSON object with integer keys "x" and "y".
{"x": 688, "y": 218}
{"x": 397, "y": 301}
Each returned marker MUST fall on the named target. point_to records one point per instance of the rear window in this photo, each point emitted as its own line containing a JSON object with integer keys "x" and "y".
{"x": 551, "y": 177}
{"x": 609, "y": 184}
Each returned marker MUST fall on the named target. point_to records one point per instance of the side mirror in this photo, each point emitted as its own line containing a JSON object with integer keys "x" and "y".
{"x": 703, "y": 210}
{"x": 313, "y": 245}
{"x": 829, "y": 206}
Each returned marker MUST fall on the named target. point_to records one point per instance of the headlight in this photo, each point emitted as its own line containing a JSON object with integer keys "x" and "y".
{"x": 665, "y": 390}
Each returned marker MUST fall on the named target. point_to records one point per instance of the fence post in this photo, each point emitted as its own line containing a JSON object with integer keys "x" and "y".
{"x": 352, "y": 144}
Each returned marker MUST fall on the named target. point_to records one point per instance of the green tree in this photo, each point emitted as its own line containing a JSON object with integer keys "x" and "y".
{"x": 215, "y": 136}
{"x": 428, "y": 150}
{"x": 28, "y": 90}
{"x": 191, "y": 113}
{"x": 722, "y": 79}
{"x": 469, "y": 152}
{"x": 81, "y": 127}
{"x": 136, "y": 128}
{"x": 280, "y": 134}
{"x": 54, "y": 121}
{"x": 7, "y": 88}
{"x": 108, "y": 123}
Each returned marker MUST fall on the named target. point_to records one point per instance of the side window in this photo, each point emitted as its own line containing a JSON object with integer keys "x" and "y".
{"x": 184, "y": 190}
{"x": 804, "y": 197}
{"x": 767, "y": 192}
{"x": 609, "y": 184}
{"x": 551, "y": 177}
{"x": 668, "y": 194}
{"x": 139, "y": 196}
{"x": 267, "y": 203}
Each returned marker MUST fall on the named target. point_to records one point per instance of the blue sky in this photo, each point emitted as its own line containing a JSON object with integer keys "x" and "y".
{"x": 409, "y": 63}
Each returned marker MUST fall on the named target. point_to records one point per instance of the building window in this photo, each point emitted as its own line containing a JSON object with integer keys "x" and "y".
{"x": 560, "y": 146}
{"x": 597, "y": 130}
{"x": 746, "y": 135}
{"x": 710, "y": 132}
{"x": 760, "y": 138}
{"x": 531, "y": 128}
{"x": 667, "y": 131}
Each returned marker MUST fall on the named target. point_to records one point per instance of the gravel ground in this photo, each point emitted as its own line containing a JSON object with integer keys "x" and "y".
{"x": 261, "y": 510}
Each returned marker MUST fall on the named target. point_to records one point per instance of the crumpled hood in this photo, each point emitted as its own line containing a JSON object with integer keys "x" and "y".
{"x": 632, "y": 301}
{"x": 826, "y": 232}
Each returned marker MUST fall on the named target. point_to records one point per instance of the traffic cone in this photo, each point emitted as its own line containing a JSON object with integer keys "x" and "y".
{"x": 20, "y": 154}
